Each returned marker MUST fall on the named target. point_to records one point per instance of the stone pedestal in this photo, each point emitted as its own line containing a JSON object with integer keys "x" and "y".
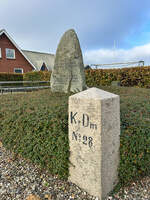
{"x": 94, "y": 137}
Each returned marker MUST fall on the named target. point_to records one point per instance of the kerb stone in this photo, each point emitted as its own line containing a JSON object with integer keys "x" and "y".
{"x": 94, "y": 139}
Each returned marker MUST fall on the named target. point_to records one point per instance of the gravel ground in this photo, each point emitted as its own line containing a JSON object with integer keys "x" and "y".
{"x": 21, "y": 180}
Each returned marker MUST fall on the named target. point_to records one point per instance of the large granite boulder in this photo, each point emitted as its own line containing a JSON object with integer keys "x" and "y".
{"x": 68, "y": 72}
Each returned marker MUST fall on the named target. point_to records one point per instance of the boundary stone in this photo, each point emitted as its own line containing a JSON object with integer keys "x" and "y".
{"x": 94, "y": 139}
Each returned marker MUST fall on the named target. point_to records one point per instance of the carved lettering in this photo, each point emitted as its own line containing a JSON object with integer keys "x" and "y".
{"x": 93, "y": 126}
{"x": 85, "y": 120}
{"x": 90, "y": 141}
{"x": 74, "y": 136}
{"x": 72, "y": 117}
{"x": 84, "y": 139}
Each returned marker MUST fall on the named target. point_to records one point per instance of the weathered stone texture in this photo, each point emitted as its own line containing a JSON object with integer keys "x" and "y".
{"x": 68, "y": 72}
{"x": 94, "y": 129}
{"x": 33, "y": 197}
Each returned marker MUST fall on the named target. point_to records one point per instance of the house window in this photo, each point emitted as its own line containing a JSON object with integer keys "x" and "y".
{"x": 0, "y": 53}
{"x": 10, "y": 53}
{"x": 18, "y": 70}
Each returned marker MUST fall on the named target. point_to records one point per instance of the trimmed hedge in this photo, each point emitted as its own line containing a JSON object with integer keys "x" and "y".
{"x": 130, "y": 77}
{"x": 37, "y": 76}
{"x": 11, "y": 77}
{"x": 29, "y": 76}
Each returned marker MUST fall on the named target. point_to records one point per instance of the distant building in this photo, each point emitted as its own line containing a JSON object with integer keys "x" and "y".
{"x": 87, "y": 67}
{"x": 15, "y": 60}
{"x": 40, "y": 60}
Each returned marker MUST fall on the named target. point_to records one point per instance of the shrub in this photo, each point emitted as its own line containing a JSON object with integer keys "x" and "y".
{"x": 11, "y": 77}
{"x": 37, "y": 76}
{"x": 37, "y": 130}
{"x": 35, "y": 125}
{"x": 136, "y": 76}
{"x": 135, "y": 133}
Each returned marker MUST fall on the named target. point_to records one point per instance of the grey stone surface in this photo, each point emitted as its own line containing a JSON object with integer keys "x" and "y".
{"x": 115, "y": 83}
{"x": 94, "y": 139}
{"x": 68, "y": 72}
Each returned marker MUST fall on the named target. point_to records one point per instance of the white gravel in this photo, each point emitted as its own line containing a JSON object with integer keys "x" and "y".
{"x": 19, "y": 178}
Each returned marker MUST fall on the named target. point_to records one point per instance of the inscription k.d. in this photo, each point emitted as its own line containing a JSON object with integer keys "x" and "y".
{"x": 72, "y": 117}
{"x": 85, "y": 121}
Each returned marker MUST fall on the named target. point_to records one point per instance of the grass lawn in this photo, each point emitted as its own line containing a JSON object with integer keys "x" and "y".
{"x": 34, "y": 124}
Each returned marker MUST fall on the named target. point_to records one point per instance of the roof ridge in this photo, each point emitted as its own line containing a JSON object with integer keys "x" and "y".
{"x": 2, "y": 30}
{"x": 37, "y": 52}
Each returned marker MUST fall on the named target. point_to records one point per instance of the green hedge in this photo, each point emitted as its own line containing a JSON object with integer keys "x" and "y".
{"x": 30, "y": 76}
{"x": 11, "y": 77}
{"x": 130, "y": 77}
{"x": 37, "y": 76}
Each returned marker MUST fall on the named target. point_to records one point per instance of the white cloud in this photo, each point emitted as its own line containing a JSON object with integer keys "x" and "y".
{"x": 98, "y": 23}
{"x": 106, "y": 56}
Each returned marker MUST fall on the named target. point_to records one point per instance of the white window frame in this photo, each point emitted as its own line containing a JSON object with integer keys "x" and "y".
{"x": 0, "y": 53}
{"x": 18, "y": 69}
{"x": 13, "y": 53}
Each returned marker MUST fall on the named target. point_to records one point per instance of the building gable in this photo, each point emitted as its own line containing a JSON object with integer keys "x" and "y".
{"x": 4, "y": 34}
{"x": 38, "y": 58}
{"x": 12, "y": 57}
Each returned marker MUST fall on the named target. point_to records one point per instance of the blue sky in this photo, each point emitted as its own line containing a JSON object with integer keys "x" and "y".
{"x": 38, "y": 25}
